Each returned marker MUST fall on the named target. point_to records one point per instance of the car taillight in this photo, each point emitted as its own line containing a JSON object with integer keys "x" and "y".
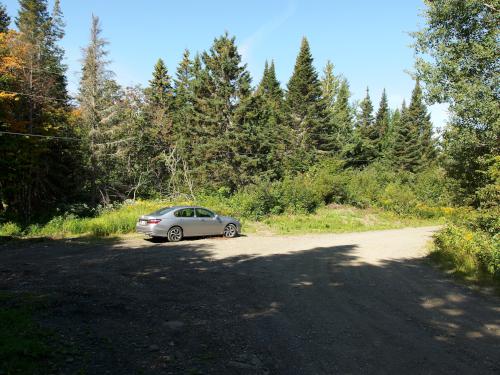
{"x": 154, "y": 221}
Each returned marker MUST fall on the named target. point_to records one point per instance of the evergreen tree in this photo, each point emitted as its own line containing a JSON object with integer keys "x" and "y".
{"x": 342, "y": 119}
{"x": 382, "y": 126}
{"x": 304, "y": 104}
{"x": 159, "y": 91}
{"x": 421, "y": 119}
{"x": 269, "y": 85}
{"x": 394, "y": 119}
{"x": 43, "y": 171}
{"x": 333, "y": 134}
{"x": 221, "y": 84}
{"x": 368, "y": 135}
{"x": 406, "y": 151}
{"x": 99, "y": 98}
{"x": 184, "y": 116}
{"x": 330, "y": 85}
{"x": 4, "y": 19}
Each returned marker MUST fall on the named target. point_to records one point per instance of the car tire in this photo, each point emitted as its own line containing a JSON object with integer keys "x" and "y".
{"x": 174, "y": 234}
{"x": 230, "y": 231}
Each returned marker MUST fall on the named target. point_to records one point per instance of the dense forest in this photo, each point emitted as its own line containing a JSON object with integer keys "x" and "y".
{"x": 208, "y": 128}
{"x": 204, "y": 127}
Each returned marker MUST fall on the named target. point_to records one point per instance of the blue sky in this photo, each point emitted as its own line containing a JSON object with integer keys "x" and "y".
{"x": 367, "y": 41}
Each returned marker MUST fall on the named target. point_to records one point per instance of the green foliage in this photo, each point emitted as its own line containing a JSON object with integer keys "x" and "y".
{"x": 469, "y": 253}
{"x": 423, "y": 194}
{"x": 10, "y": 230}
{"x": 457, "y": 60}
{"x": 304, "y": 105}
{"x": 4, "y": 19}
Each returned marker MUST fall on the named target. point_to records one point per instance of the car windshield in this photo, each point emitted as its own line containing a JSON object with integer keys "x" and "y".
{"x": 161, "y": 211}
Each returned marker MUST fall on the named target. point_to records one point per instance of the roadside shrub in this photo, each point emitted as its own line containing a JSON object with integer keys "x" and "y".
{"x": 257, "y": 200}
{"x": 399, "y": 198}
{"x": 471, "y": 253}
{"x": 430, "y": 187}
{"x": 10, "y": 230}
{"x": 297, "y": 195}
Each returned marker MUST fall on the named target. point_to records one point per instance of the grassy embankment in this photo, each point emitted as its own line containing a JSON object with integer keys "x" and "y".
{"x": 469, "y": 247}
{"x": 122, "y": 219}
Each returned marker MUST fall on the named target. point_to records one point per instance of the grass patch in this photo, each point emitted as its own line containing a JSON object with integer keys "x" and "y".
{"x": 25, "y": 347}
{"x": 342, "y": 219}
{"x": 122, "y": 220}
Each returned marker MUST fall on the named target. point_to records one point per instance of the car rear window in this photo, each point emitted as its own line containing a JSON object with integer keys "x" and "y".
{"x": 161, "y": 211}
{"x": 201, "y": 212}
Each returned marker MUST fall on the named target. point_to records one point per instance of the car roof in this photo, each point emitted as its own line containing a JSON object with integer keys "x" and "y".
{"x": 180, "y": 207}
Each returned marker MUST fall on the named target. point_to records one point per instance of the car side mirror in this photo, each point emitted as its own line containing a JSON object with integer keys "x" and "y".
{"x": 216, "y": 217}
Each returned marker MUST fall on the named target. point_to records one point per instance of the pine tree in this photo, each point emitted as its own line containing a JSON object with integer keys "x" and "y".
{"x": 304, "y": 104}
{"x": 4, "y": 19}
{"x": 382, "y": 126}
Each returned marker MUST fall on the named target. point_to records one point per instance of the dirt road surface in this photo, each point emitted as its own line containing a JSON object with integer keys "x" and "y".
{"x": 364, "y": 303}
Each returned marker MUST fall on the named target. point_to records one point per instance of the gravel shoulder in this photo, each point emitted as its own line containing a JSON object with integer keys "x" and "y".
{"x": 314, "y": 304}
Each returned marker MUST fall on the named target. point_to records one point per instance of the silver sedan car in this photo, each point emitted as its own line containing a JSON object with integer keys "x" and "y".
{"x": 177, "y": 222}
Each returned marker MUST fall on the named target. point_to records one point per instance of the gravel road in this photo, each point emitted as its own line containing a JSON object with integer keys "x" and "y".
{"x": 361, "y": 303}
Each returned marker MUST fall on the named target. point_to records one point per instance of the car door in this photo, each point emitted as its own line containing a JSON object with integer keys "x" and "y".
{"x": 186, "y": 219}
{"x": 207, "y": 222}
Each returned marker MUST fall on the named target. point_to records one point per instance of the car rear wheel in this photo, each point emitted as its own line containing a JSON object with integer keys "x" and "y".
{"x": 174, "y": 234}
{"x": 230, "y": 231}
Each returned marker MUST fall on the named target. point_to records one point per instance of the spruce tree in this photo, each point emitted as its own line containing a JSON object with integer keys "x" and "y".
{"x": 406, "y": 152}
{"x": 221, "y": 84}
{"x": 269, "y": 86}
{"x": 159, "y": 91}
{"x": 368, "y": 135}
{"x": 382, "y": 125}
{"x": 304, "y": 104}
{"x": 418, "y": 115}
{"x": 43, "y": 85}
{"x": 330, "y": 85}
{"x": 342, "y": 118}
{"x": 4, "y": 19}
{"x": 394, "y": 119}
{"x": 99, "y": 98}
{"x": 331, "y": 137}
{"x": 184, "y": 116}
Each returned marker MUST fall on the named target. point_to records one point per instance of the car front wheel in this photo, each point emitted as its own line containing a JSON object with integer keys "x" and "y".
{"x": 174, "y": 234}
{"x": 230, "y": 231}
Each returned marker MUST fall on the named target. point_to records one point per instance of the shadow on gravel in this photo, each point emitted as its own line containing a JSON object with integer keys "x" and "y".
{"x": 172, "y": 308}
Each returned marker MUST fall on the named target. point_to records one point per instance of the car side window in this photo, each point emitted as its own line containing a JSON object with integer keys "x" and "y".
{"x": 201, "y": 212}
{"x": 185, "y": 212}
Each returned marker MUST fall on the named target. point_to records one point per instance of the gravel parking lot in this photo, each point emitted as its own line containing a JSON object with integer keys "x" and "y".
{"x": 315, "y": 304}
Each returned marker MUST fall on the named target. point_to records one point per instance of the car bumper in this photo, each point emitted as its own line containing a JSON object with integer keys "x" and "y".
{"x": 147, "y": 229}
